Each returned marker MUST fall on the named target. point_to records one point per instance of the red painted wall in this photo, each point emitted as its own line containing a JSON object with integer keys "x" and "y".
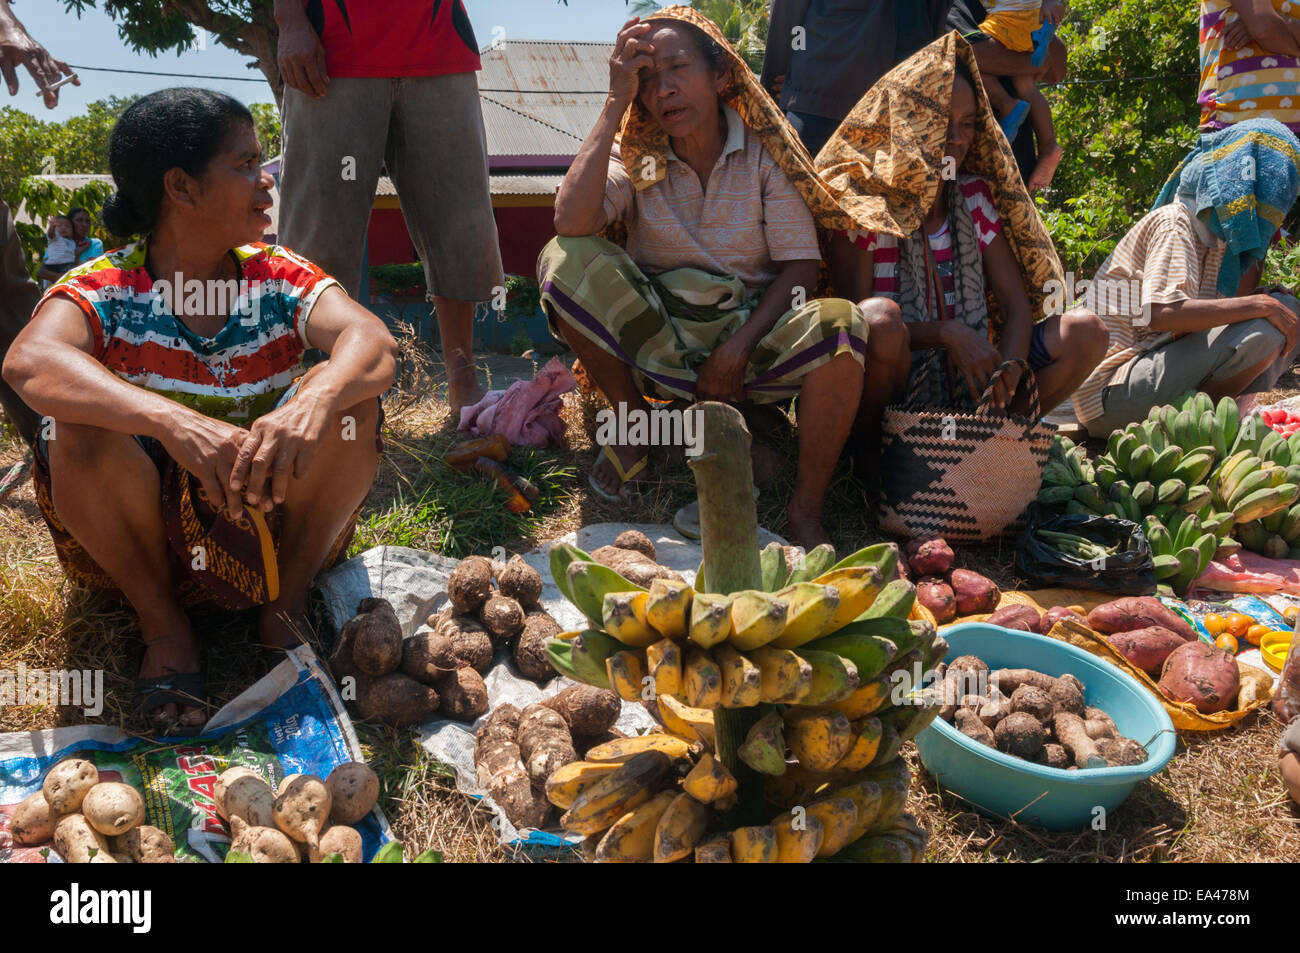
{"x": 522, "y": 232}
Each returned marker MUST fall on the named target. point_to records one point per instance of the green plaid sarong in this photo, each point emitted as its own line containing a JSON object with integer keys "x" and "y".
{"x": 665, "y": 326}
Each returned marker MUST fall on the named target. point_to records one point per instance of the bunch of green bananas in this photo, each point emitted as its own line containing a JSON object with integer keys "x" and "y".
{"x": 820, "y": 646}
{"x": 1191, "y": 474}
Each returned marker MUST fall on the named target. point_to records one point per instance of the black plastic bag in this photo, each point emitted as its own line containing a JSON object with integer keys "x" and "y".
{"x": 1128, "y": 572}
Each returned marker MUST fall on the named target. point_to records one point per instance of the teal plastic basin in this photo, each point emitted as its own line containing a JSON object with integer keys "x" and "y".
{"x": 1002, "y": 786}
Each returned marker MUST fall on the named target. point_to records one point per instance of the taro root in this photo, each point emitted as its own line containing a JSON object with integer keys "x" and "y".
{"x": 376, "y": 637}
{"x": 395, "y": 700}
{"x": 463, "y": 694}
{"x": 1054, "y": 756}
{"x": 1033, "y": 701}
{"x": 427, "y": 656}
{"x": 636, "y": 541}
{"x": 521, "y": 582}
{"x": 1121, "y": 751}
{"x": 470, "y": 641}
{"x": 470, "y": 584}
{"x": 969, "y": 724}
{"x": 1020, "y": 734}
{"x": 587, "y": 709}
{"x": 503, "y": 617}
{"x": 530, "y": 653}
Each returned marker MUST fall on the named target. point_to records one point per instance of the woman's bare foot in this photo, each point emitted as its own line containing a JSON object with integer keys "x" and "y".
{"x": 173, "y": 654}
{"x": 1043, "y": 172}
{"x": 606, "y": 477}
{"x": 804, "y": 527}
{"x": 463, "y": 388}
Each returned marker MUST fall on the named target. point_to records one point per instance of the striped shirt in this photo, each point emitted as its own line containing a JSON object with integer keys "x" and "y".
{"x": 1249, "y": 83}
{"x": 236, "y": 376}
{"x": 1007, "y": 6}
{"x": 979, "y": 202}
{"x": 1168, "y": 256}
{"x": 750, "y": 218}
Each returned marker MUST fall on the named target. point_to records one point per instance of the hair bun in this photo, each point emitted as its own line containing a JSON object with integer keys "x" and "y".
{"x": 121, "y": 217}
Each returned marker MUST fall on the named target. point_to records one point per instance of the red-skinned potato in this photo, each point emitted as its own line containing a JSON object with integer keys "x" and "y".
{"x": 1138, "y": 612}
{"x": 929, "y": 556}
{"x": 1199, "y": 673}
{"x": 1147, "y": 648}
{"x": 1021, "y": 618}
{"x": 937, "y": 596}
{"x": 974, "y": 593}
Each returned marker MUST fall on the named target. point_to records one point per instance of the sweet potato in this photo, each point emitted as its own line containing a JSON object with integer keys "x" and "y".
{"x": 1021, "y": 618}
{"x": 113, "y": 808}
{"x": 1146, "y": 648}
{"x": 1057, "y": 614}
{"x": 974, "y": 593}
{"x": 470, "y": 584}
{"x": 929, "y": 556}
{"x": 1138, "y": 612}
{"x": 376, "y": 637}
{"x": 464, "y": 696}
{"x": 521, "y": 582}
{"x": 354, "y": 789}
{"x": 32, "y": 821}
{"x": 1199, "y": 673}
{"x": 79, "y": 843}
{"x": 396, "y": 700}
{"x": 68, "y": 783}
{"x": 587, "y": 709}
{"x": 1020, "y": 734}
{"x": 937, "y": 596}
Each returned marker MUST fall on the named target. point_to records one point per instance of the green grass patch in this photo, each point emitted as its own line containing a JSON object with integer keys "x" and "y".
{"x": 441, "y": 510}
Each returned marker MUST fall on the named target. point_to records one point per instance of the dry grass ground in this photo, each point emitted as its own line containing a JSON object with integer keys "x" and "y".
{"x": 1220, "y": 798}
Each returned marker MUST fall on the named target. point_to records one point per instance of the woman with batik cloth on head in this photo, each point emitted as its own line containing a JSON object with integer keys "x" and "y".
{"x": 186, "y": 456}
{"x": 948, "y": 257}
{"x": 1198, "y": 320}
{"x": 712, "y": 297}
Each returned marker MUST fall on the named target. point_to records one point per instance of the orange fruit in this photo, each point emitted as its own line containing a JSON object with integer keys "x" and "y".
{"x": 1226, "y": 642}
{"x": 1256, "y": 632}
{"x": 1290, "y": 613}
{"x": 1239, "y": 624}
{"x": 1214, "y": 624}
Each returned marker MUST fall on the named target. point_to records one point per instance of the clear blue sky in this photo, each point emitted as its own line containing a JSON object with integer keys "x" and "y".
{"x": 93, "y": 41}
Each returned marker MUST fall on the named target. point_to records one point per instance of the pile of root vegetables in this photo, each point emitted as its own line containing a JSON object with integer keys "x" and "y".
{"x": 518, "y": 753}
{"x": 305, "y": 820}
{"x": 89, "y": 821}
{"x": 945, "y": 591}
{"x": 401, "y": 681}
{"x": 1032, "y": 716}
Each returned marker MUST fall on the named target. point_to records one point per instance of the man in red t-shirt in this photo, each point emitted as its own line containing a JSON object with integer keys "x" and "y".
{"x": 390, "y": 81}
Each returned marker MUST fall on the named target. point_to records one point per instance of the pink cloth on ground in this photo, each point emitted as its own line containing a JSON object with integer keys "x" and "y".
{"x": 527, "y": 413}
{"x": 1250, "y": 572}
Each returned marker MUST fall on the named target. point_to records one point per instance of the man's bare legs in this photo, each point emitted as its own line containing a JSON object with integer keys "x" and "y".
{"x": 828, "y": 405}
{"x": 888, "y": 365}
{"x": 1077, "y": 343}
{"x": 456, "y": 331}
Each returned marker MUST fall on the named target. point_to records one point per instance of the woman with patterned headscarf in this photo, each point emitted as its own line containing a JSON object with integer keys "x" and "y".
{"x": 713, "y": 297}
{"x": 946, "y": 242}
{"x": 1179, "y": 292}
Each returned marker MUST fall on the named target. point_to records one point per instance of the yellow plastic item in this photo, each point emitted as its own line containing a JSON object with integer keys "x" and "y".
{"x": 1274, "y": 647}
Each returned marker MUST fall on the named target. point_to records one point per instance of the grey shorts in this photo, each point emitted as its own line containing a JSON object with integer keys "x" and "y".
{"x": 429, "y": 131}
{"x": 1163, "y": 373}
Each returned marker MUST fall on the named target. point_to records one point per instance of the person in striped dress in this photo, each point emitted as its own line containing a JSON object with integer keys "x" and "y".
{"x": 183, "y": 455}
{"x": 1250, "y": 62}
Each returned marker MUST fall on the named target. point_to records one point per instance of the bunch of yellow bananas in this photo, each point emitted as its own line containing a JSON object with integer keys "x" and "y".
{"x": 823, "y": 645}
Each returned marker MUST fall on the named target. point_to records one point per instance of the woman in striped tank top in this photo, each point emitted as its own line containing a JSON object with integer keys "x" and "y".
{"x": 184, "y": 456}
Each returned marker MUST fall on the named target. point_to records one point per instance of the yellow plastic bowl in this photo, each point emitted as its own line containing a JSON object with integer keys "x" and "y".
{"x": 1274, "y": 647}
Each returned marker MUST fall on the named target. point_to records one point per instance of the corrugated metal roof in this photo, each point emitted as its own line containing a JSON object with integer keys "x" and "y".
{"x": 542, "y": 98}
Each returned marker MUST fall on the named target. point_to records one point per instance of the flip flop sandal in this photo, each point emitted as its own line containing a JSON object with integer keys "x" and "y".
{"x": 624, "y": 476}
{"x": 1014, "y": 120}
{"x": 687, "y": 520}
{"x": 1042, "y": 38}
{"x": 14, "y": 477}
{"x": 182, "y": 688}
